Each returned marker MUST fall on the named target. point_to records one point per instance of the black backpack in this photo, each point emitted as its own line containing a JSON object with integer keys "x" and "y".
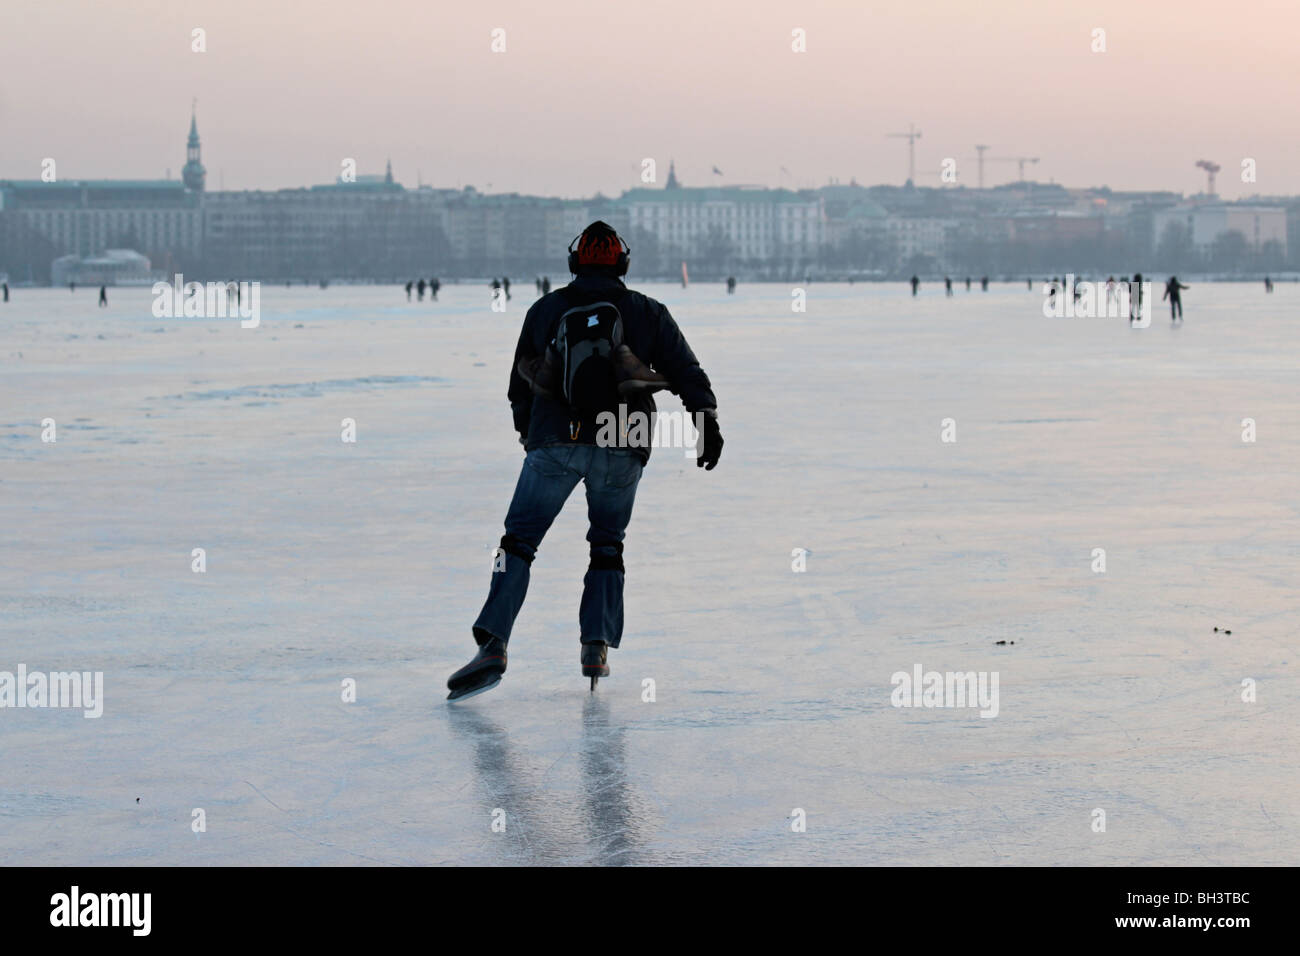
{"x": 584, "y": 345}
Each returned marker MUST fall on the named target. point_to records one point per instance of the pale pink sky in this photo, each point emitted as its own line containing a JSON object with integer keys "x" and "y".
{"x": 288, "y": 88}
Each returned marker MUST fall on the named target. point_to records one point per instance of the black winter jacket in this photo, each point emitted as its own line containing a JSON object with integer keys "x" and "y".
{"x": 648, "y": 330}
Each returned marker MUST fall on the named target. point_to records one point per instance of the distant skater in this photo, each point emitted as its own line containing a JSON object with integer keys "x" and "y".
{"x": 1173, "y": 292}
{"x": 72, "y": 287}
{"x": 434, "y": 286}
{"x": 505, "y": 286}
{"x": 1135, "y": 301}
{"x": 968, "y": 283}
{"x": 103, "y": 296}
{"x": 546, "y": 284}
{"x": 6, "y": 288}
{"x": 1029, "y": 283}
{"x": 1268, "y": 287}
{"x": 731, "y": 285}
{"x": 984, "y": 284}
{"x": 916, "y": 284}
{"x": 409, "y": 287}
{"x": 947, "y": 286}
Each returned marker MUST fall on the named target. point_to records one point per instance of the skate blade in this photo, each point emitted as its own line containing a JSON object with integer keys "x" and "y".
{"x": 593, "y": 684}
{"x": 466, "y": 692}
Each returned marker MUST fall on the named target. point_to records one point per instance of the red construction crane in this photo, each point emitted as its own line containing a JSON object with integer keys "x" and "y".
{"x": 1210, "y": 168}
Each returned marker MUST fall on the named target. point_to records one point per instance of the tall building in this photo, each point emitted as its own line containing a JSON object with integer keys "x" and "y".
{"x": 1205, "y": 222}
{"x": 721, "y": 228}
{"x": 162, "y": 219}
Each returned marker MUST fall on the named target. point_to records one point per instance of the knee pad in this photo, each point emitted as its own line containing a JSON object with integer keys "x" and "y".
{"x": 512, "y": 545}
{"x": 606, "y": 562}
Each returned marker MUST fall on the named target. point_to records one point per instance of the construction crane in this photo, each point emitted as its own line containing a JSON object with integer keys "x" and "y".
{"x": 979, "y": 150}
{"x": 1210, "y": 168}
{"x": 1021, "y": 160}
{"x": 912, "y": 135}
{"x": 1015, "y": 159}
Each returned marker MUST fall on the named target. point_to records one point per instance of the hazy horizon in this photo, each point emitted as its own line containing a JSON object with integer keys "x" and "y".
{"x": 287, "y": 90}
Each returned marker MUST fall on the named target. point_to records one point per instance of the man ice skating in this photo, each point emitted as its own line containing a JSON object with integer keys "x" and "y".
{"x": 1173, "y": 292}
{"x": 585, "y": 350}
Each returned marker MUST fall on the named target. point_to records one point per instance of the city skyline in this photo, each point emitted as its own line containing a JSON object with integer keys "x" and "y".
{"x": 285, "y": 105}
{"x": 666, "y": 174}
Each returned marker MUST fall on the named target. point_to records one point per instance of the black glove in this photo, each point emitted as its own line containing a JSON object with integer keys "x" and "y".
{"x": 710, "y": 441}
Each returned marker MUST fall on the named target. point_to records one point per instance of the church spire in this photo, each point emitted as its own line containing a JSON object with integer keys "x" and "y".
{"x": 388, "y": 173}
{"x": 672, "y": 177}
{"x": 193, "y": 174}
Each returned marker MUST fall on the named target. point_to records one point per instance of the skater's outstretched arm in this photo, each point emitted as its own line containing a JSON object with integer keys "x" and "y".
{"x": 674, "y": 359}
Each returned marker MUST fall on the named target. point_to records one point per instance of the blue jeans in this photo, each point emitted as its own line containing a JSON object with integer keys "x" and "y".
{"x": 549, "y": 474}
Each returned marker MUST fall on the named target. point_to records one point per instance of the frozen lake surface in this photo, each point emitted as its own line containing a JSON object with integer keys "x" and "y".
{"x": 329, "y": 561}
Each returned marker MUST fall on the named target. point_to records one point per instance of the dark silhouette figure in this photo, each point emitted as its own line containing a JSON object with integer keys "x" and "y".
{"x": 505, "y": 285}
{"x": 1268, "y": 286}
{"x": 496, "y": 287}
{"x": 434, "y": 286}
{"x": 968, "y": 283}
{"x": 984, "y": 283}
{"x": 409, "y": 286}
{"x": 546, "y": 284}
{"x": 947, "y": 286}
{"x": 1135, "y": 298}
{"x": 6, "y": 288}
{"x": 419, "y": 291}
{"x": 916, "y": 284}
{"x": 563, "y": 445}
{"x": 731, "y": 284}
{"x": 103, "y": 296}
{"x": 1173, "y": 292}
{"x": 1029, "y": 284}
{"x": 72, "y": 287}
